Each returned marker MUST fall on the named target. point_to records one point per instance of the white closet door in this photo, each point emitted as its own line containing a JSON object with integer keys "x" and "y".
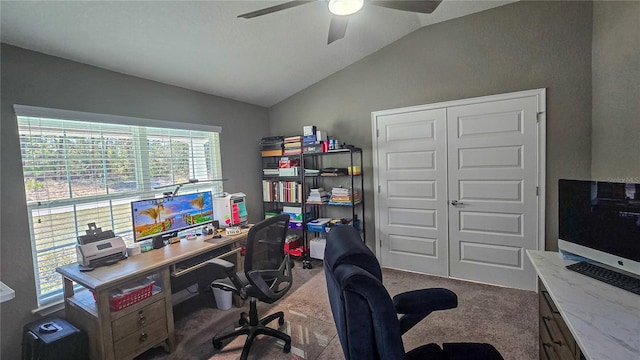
{"x": 461, "y": 187}
{"x": 411, "y": 200}
{"x": 492, "y": 176}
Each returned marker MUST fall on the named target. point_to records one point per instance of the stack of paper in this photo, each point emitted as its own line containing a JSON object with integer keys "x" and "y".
{"x": 311, "y": 172}
{"x": 343, "y": 196}
{"x": 270, "y": 172}
{"x": 318, "y": 196}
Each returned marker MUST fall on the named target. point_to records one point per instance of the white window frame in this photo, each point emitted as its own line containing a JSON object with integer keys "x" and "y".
{"x": 198, "y": 160}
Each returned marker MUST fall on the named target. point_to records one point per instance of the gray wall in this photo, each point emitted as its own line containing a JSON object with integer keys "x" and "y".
{"x": 31, "y": 78}
{"x": 520, "y": 46}
{"x": 616, "y": 91}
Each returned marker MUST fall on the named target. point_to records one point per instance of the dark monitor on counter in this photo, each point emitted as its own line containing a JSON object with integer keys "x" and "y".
{"x": 600, "y": 221}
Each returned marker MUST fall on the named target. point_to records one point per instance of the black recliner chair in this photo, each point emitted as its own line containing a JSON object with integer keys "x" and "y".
{"x": 367, "y": 318}
{"x": 266, "y": 277}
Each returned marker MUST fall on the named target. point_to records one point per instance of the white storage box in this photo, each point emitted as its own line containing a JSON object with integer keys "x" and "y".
{"x": 317, "y": 248}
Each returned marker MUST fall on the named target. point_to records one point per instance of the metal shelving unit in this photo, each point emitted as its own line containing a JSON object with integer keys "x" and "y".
{"x": 344, "y": 158}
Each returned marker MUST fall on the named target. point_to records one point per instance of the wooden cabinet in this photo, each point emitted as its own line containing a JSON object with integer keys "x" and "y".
{"x": 128, "y": 332}
{"x": 135, "y": 329}
{"x": 580, "y": 317}
{"x": 556, "y": 341}
{"x": 132, "y": 330}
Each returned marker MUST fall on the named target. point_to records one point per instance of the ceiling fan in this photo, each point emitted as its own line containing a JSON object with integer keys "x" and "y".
{"x": 341, "y": 9}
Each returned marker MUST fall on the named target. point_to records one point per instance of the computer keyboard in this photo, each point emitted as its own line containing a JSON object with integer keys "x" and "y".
{"x": 610, "y": 277}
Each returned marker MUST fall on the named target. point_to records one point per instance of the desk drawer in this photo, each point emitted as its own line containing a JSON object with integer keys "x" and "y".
{"x": 136, "y": 320}
{"x": 553, "y": 330}
{"x": 547, "y": 349}
{"x": 141, "y": 340}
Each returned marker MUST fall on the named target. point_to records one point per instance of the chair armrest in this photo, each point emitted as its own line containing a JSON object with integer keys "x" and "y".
{"x": 418, "y": 301}
{"x": 224, "y": 265}
{"x": 229, "y": 270}
{"x": 417, "y": 304}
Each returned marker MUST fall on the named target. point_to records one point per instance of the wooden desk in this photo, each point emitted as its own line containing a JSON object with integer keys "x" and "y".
{"x": 133, "y": 330}
{"x": 603, "y": 319}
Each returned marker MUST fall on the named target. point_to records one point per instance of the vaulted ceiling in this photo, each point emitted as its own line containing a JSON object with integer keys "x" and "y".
{"x": 203, "y": 46}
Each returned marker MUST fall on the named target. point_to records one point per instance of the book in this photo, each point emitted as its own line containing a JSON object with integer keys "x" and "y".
{"x": 271, "y": 146}
{"x": 292, "y": 151}
{"x": 292, "y": 144}
{"x": 296, "y": 138}
{"x": 273, "y": 152}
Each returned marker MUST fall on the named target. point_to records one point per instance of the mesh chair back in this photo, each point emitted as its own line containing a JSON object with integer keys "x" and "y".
{"x": 266, "y": 266}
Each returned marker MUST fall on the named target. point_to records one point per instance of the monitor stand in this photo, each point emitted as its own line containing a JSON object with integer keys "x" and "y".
{"x": 159, "y": 241}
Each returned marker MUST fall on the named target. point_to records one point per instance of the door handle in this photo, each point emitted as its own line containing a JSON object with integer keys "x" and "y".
{"x": 456, "y": 202}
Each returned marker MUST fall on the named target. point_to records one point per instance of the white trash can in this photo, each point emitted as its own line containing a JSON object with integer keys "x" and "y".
{"x": 223, "y": 298}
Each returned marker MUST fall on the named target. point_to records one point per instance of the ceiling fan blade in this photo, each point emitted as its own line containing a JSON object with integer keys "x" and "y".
{"x": 274, "y": 8}
{"x": 337, "y": 28}
{"x": 424, "y": 6}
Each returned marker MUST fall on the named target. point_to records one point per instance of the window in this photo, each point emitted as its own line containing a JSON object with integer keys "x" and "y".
{"x": 82, "y": 171}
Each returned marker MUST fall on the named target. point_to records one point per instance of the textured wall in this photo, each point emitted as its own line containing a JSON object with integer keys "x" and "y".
{"x": 521, "y": 46}
{"x": 31, "y": 78}
{"x": 616, "y": 91}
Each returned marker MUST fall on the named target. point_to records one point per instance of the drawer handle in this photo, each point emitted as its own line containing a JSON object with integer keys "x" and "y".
{"x": 143, "y": 337}
{"x": 546, "y": 319}
{"x": 547, "y": 299}
{"x": 141, "y": 319}
{"x": 545, "y": 346}
{"x": 558, "y": 342}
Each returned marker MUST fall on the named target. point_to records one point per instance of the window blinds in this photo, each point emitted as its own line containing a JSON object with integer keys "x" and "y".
{"x": 78, "y": 172}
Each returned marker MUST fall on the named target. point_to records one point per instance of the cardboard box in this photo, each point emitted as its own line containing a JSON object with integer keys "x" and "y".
{"x": 293, "y": 171}
{"x": 312, "y": 149}
{"x": 321, "y": 135}
{"x": 309, "y": 130}
{"x": 309, "y": 139}
{"x": 317, "y": 248}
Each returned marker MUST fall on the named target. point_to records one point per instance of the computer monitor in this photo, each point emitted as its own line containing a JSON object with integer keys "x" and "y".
{"x": 168, "y": 215}
{"x": 601, "y": 221}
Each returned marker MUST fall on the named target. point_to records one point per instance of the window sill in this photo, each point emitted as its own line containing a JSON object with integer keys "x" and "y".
{"x": 50, "y": 308}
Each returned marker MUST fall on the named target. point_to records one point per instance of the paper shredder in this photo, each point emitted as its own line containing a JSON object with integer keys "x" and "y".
{"x": 53, "y": 339}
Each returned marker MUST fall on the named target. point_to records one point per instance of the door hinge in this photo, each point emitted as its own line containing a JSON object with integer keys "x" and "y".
{"x": 537, "y": 191}
{"x": 377, "y": 133}
{"x": 379, "y": 189}
{"x": 539, "y": 116}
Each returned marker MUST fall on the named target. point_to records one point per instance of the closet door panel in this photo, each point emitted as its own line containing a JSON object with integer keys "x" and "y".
{"x": 412, "y": 225}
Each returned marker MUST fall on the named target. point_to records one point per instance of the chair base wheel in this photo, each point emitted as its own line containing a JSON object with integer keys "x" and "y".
{"x": 287, "y": 348}
{"x": 217, "y": 345}
{"x": 281, "y": 321}
{"x": 243, "y": 319}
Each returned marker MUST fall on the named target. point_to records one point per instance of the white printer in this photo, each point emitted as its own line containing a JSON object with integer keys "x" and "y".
{"x": 98, "y": 248}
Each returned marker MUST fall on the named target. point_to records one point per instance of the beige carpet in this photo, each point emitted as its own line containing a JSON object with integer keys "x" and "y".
{"x": 506, "y": 318}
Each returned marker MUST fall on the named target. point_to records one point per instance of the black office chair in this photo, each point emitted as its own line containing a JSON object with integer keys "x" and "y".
{"x": 266, "y": 277}
{"x": 367, "y": 318}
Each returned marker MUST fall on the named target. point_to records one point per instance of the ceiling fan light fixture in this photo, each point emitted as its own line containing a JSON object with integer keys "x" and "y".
{"x": 345, "y": 7}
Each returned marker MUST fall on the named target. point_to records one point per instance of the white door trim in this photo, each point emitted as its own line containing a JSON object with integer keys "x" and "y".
{"x": 541, "y": 97}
